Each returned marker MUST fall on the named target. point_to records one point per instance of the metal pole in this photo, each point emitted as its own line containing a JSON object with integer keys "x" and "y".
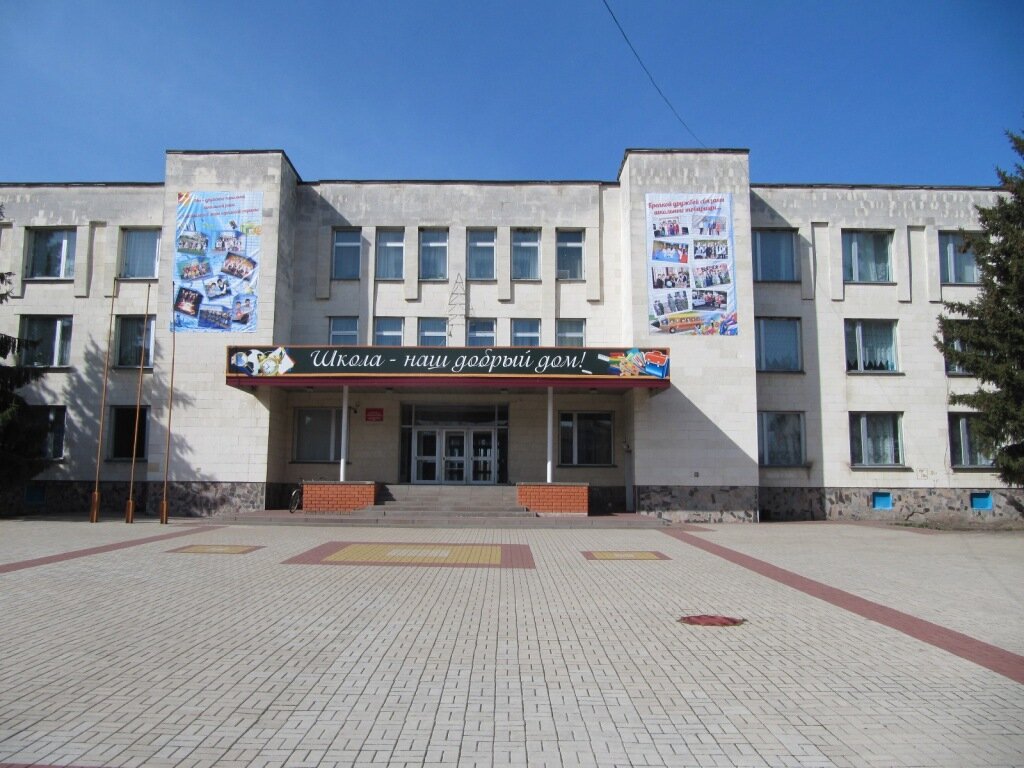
{"x": 94, "y": 504}
{"x": 167, "y": 445}
{"x": 551, "y": 434}
{"x": 344, "y": 433}
{"x": 129, "y": 508}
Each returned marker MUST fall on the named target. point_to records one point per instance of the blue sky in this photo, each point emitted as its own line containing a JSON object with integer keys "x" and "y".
{"x": 858, "y": 92}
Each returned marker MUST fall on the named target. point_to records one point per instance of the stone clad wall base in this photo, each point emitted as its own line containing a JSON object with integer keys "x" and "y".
{"x": 554, "y": 498}
{"x": 920, "y": 505}
{"x": 698, "y": 504}
{"x": 323, "y": 496}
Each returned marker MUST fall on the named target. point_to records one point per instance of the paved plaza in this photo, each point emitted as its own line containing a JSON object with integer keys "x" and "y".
{"x": 243, "y": 645}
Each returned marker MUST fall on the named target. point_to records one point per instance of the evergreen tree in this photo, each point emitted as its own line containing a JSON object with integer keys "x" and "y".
{"x": 986, "y": 336}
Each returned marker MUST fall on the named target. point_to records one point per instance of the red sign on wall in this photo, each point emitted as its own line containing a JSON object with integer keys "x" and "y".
{"x": 375, "y": 414}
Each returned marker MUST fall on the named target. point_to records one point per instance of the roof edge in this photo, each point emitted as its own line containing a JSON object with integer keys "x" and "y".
{"x": 238, "y": 152}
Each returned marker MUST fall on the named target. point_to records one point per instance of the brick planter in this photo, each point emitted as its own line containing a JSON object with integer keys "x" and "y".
{"x": 324, "y": 496}
{"x": 554, "y": 498}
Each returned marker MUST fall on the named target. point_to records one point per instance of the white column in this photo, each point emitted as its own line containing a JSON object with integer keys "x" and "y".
{"x": 551, "y": 434}
{"x": 344, "y": 433}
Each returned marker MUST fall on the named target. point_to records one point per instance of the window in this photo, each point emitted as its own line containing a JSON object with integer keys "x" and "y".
{"x": 317, "y": 434}
{"x": 777, "y": 340}
{"x": 390, "y": 254}
{"x": 569, "y": 255}
{"x": 875, "y": 439}
{"x": 53, "y": 253}
{"x": 387, "y": 331}
{"x": 130, "y": 331}
{"x": 775, "y": 256}
{"x": 526, "y": 254}
{"x": 479, "y": 333}
{"x": 344, "y": 331}
{"x": 433, "y": 254}
{"x": 585, "y": 439}
{"x": 956, "y": 369}
{"x": 963, "y": 449}
{"x": 871, "y": 345}
{"x": 348, "y": 246}
{"x": 480, "y": 254}
{"x": 123, "y": 434}
{"x": 140, "y": 253}
{"x": 433, "y": 332}
{"x": 526, "y": 333}
{"x": 52, "y": 335}
{"x": 780, "y": 439}
{"x": 52, "y": 419}
{"x": 866, "y": 257}
{"x": 956, "y": 260}
{"x": 569, "y": 333}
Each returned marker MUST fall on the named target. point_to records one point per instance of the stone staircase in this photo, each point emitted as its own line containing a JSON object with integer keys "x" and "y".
{"x": 450, "y": 500}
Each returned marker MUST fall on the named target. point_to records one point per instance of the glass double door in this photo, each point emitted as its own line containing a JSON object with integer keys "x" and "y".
{"x": 454, "y": 456}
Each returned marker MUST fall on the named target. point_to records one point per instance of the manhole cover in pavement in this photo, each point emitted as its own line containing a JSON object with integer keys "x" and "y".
{"x": 704, "y": 620}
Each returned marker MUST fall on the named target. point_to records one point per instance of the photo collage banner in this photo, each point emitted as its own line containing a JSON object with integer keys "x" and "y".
{"x": 217, "y": 262}
{"x": 691, "y": 264}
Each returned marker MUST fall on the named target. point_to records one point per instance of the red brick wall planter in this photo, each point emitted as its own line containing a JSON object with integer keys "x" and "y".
{"x": 554, "y": 498}
{"x": 324, "y": 496}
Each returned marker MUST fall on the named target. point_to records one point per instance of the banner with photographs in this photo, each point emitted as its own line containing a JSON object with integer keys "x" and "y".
{"x": 691, "y": 264}
{"x": 217, "y": 262}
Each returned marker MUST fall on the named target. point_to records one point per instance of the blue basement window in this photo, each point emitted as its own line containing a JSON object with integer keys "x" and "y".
{"x": 881, "y": 500}
{"x": 982, "y": 500}
{"x": 35, "y": 495}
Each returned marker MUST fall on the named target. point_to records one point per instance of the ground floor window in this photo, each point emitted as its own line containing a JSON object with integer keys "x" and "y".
{"x": 780, "y": 439}
{"x": 963, "y": 449}
{"x": 317, "y": 435}
{"x": 52, "y": 419}
{"x": 875, "y": 439}
{"x": 585, "y": 439}
{"x": 124, "y": 437}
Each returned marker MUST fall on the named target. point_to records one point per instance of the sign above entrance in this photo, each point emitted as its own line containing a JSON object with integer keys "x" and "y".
{"x": 285, "y": 363}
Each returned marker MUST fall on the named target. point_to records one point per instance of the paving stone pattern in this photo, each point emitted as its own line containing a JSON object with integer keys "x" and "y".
{"x": 140, "y": 656}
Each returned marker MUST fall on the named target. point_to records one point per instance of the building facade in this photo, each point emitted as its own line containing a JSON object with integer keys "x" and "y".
{"x": 768, "y": 350}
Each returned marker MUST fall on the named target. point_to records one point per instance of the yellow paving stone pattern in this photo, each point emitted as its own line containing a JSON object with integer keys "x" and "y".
{"x": 420, "y": 554}
{"x": 216, "y": 549}
{"x": 615, "y": 554}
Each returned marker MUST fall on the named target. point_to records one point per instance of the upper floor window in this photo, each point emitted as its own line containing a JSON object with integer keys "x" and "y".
{"x": 51, "y": 418}
{"x": 963, "y": 449}
{"x": 525, "y": 333}
{"x": 526, "y": 254}
{"x": 780, "y": 439}
{"x": 140, "y": 253}
{"x": 52, "y": 335}
{"x": 775, "y": 256}
{"x": 956, "y": 261}
{"x": 871, "y": 345}
{"x": 131, "y": 346}
{"x": 569, "y": 254}
{"x": 569, "y": 333}
{"x": 390, "y": 254}
{"x": 956, "y": 369}
{"x": 866, "y": 256}
{"x": 433, "y": 332}
{"x": 387, "y": 331}
{"x": 344, "y": 331}
{"x": 433, "y": 254}
{"x": 52, "y": 254}
{"x": 479, "y": 332}
{"x": 348, "y": 246}
{"x": 875, "y": 439}
{"x": 777, "y": 342}
{"x": 480, "y": 254}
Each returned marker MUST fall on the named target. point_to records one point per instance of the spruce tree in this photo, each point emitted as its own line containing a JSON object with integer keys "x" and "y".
{"x": 986, "y": 336}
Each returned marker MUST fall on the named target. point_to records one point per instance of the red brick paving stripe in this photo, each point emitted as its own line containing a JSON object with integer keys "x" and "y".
{"x": 76, "y": 553}
{"x": 991, "y": 657}
{"x": 512, "y": 555}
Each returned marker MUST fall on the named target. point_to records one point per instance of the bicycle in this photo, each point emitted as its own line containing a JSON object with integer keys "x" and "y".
{"x": 296, "y": 500}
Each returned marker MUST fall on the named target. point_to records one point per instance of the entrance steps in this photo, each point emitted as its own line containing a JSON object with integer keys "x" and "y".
{"x": 449, "y": 500}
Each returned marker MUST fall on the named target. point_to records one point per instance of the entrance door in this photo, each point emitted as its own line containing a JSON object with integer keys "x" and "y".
{"x": 454, "y": 456}
{"x": 424, "y": 459}
{"x": 482, "y": 445}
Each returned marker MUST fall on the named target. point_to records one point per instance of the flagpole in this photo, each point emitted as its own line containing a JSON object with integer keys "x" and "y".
{"x": 170, "y": 406}
{"x": 129, "y": 509}
{"x": 94, "y": 505}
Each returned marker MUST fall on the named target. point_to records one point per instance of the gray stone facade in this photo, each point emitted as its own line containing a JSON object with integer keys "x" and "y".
{"x": 698, "y": 504}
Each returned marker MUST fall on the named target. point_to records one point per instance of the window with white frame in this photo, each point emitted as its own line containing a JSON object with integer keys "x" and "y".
{"x": 317, "y": 435}
{"x": 525, "y": 333}
{"x": 131, "y": 346}
{"x": 957, "y": 264}
{"x": 526, "y": 254}
{"x": 52, "y": 337}
{"x": 124, "y": 437}
{"x": 433, "y": 332}
{"x": 479, "y": 332}
{"x": 387, "y": 331}
{"x": 569, "y": 333}
{"x": 777, "y": 342}
{"x": 775, "y": 256}
{"x": 52, "y": 253}
{"x": 390, "y": 254}
{"x": 344, "y": 331}
{"x": 875, "y": 439}
{"x": 867, "y": 256}
{"x": 780, "y": 439}
{"x": 433, "y": 254}
{"x": 957, "y": 369}
{"x": 348, "y": 248}
{"x": 480, "y": 254}
{"x": 963, "y": 446}
{"x": 871, "y": 346}
{"x": 140, "y": 253}
{"x": 569, "y": 254}
{"x": 50, "y": 418}
{"x": 585, "y": 439}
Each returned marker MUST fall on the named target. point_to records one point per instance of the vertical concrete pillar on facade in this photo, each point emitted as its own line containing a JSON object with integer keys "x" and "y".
{"x": 551, "y": 435}
{"x": 344, "y": 434}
